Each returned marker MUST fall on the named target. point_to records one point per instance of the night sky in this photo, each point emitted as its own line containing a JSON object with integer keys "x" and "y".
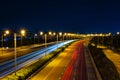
{"x": 83, "y": 16}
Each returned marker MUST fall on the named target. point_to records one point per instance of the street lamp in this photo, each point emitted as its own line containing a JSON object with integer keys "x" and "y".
{"x": 57, "y": 37}
{"x": 15, "y": 50}
{"x": 64, "y": 36}
{"x": 54, "y": 33}
{"x": 45, "y": 40}
{"x": 45, "y": 37}
{"x": 34, "y": 37}
{"x": 50, "y": 33}
{"x": 111, "y": 39}
{"x": 60, "y": 33}
{"x": 41, "y": 33}
{"x": 23, "y": 32}
{"x": 6, "y": 32}
{"x": 15, "y": 45}
{"x": 118, "y": 33}
{"x": 117, "y": 38}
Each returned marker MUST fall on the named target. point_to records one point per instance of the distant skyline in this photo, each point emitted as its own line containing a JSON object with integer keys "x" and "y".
{"x": 83, "y": 16}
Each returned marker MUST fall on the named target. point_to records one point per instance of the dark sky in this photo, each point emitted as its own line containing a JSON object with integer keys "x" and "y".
{"x": 83, "y": 16}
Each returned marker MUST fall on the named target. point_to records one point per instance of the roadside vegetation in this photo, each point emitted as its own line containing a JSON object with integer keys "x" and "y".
{"x": 106, "y": 68}
{"x": 27, "y": 71}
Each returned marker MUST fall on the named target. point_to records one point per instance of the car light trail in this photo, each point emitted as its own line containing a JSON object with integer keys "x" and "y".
{"x": 8, "y": 67}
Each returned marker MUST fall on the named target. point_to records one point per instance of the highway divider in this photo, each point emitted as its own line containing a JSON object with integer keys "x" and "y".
{"x": 27, "y": 71}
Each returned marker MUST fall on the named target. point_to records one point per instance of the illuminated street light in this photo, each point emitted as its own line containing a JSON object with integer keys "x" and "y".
{"x": 6, "y": 32}
{"x": 118, "y": 33}
{"x": 15, "y": 45}
{"x": 54, "y": 33}
{"x": 101, "y": 34}
{"x": 23, "y": 32}
{"x": 50, "y": 33}
{"x": 109, "y": 34}
{"x": 45, "y": 38}
{"x": 60, "y": 33}
{"x": 41, "y": 33}
{"x": 118, "y": 38}
{"x": 65, "y": 34}
{"x": 57, "y": 37}
{"x": 15, "y": 55}
{"x": 35, "y": 35}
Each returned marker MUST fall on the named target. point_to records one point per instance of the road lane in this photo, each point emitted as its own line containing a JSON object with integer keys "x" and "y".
{"x": 55, "y": 69}
{"x": 80, "y": 68}
{"x": 72, "y": 64}
{"x": 76, "y": 69}
{"x": 27, "y": 59}
{"x": 7, "y": 54}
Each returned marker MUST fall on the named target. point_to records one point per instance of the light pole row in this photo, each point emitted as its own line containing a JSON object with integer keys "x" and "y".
{"x": 23, "y": 33}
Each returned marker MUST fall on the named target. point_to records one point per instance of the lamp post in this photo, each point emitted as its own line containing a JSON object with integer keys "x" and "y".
{"x": 57, "y": 40}
{"x": 57, "y": 37}
{"x": 15, "y": 45}
{"x": 54, "y": 35}
{"x": 34, "y": 37}
{"x": 110, "y": 39}
{"x": 2, "y": 38}
{"x": 45, "y": 38}
{"x": 117, "y": 38}
{"x": 60, "y": 33}
{"x": 41, "y": 33}
{"x": 15, "y": 55}
{"x": 65, "y": 36}
{"x": 22, "y": 34}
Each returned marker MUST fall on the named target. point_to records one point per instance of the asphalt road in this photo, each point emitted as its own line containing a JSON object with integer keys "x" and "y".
{"x": 72, "y": 64}
{"x": 76, "y": 69}
{"x": 7, "y": 54}
{"x": 8, "y": 66}
{"x": 55, "y": 69}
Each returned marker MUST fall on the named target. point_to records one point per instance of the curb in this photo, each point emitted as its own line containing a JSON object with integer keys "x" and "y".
{"x": 94, "y": 65}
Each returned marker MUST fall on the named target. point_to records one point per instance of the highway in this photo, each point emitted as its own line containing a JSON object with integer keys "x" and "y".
{"x": 56, "y": 68}
{"x": 68, "y": 65}
{"x": 8, "y": 66}
{"x": 76, "y": 69}
{"x": 7, "y": 54}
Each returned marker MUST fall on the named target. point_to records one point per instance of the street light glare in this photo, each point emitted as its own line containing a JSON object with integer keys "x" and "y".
{"x": 7, "y": 32}
{"x": 50, "y": 33}
{"x": 118, "y": 33}
{"x": 41, "y": 33}
{"x": 35, "y": 34}
{"x": 23, "y": 32}
{"x": 60, "y": 33}
{"x": 109, "y": 34}
{"x": 54, "y": 33}
{"x": 65, "y": 34}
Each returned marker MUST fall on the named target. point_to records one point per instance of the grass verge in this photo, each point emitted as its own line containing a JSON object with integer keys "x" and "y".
{"x": 106, "y": 68}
